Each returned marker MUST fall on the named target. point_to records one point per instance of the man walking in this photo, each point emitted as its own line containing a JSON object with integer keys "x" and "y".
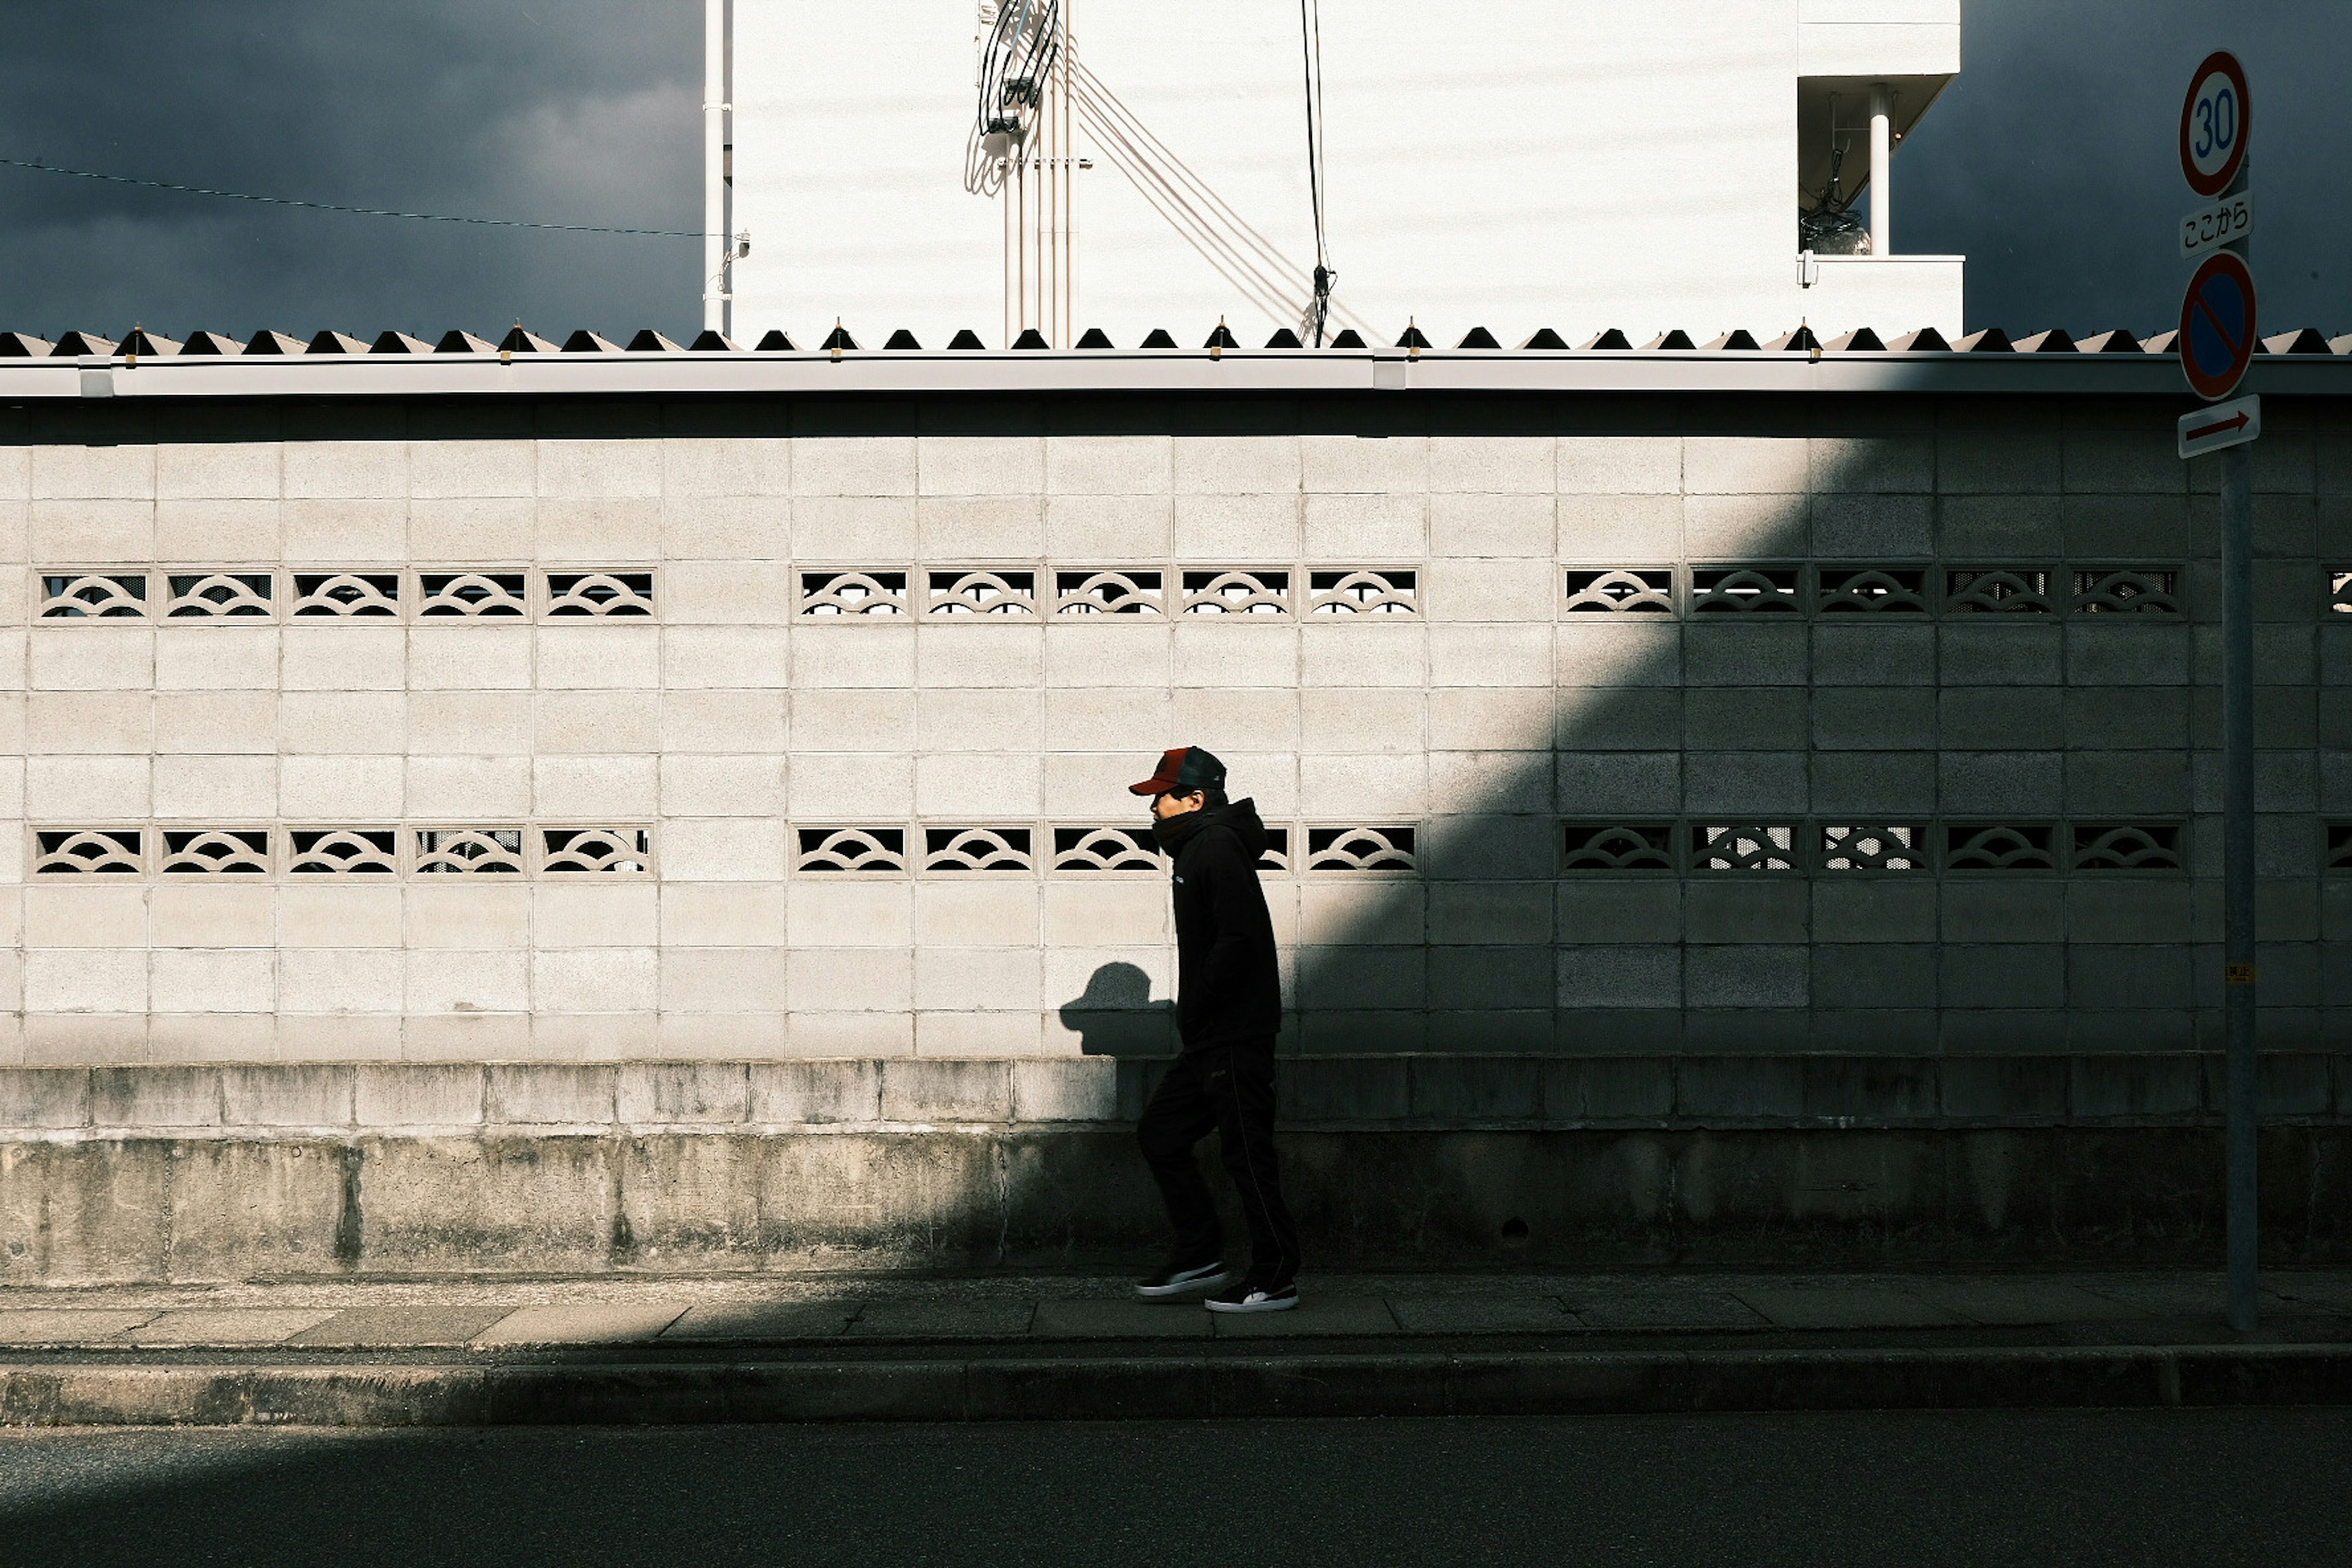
{"x": 1228, "y": 1006}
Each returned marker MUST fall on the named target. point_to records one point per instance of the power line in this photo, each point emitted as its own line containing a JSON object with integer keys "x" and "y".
{"x": 1310, "y": 41}
{"x": 338, "y": 207}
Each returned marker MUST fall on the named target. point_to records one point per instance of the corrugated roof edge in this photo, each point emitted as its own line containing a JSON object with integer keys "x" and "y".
{"x": 334, "y": 364}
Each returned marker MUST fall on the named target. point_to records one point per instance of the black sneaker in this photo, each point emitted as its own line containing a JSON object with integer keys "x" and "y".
{"x": 1183, "y": 1279}
{"x": 1247, "y": 1296}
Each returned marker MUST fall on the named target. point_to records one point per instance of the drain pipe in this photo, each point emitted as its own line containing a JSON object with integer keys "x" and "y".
{"x": 715, "y": 294}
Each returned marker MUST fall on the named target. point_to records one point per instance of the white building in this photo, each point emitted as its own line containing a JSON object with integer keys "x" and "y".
{"x": 1512, "y": 165}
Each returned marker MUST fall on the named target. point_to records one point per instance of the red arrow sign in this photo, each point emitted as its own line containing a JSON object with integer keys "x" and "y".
{"x": 2235, "y": 422}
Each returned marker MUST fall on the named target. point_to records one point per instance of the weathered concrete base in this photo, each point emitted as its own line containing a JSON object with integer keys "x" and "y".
{"x": 978, "y": 1388}
{"x": 233, "y": 1206}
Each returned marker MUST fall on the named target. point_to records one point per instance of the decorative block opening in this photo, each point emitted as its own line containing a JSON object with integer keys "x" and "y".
{"x": 832, "y": 593}
{"x": 950, "y": 850}
{"x": 612, "y": 594}
{"x": 1997, "y": 590}
{"x": 343, "y": 852}
{"x": 1110, "y": 591}
{"x": 470, "y": 851}
{"x": 1363, "y": 592}
{"x": 1884, "y": 847}
{"x": 960, "y": 591}
{"x": 1895, "y": 590}
{"x": 869, "y": 850}
{"x": 2127, "y": 847}
{"x": 349, "y": 595}
{"x": 1745, "y": 588}
{"x": 89, "y": 851}
{"x": 1620, "y": 591}
{"x": 611, "y": 850}
{"x": 215, "y": 852}
{"x": 2135, "y": 590}
{"x": 95, "y": 596}
{"x": 1769, "y": 847}
{"x": 1361, "y": 849}
{"x": 1239, "y": 591}
{"x": 480, "y": 595}
{"x": 1105, "y": 849}
{"x": 218, "y": 595}
{"x": 2001, "y": 846}
{"x": 1617, "y": 847}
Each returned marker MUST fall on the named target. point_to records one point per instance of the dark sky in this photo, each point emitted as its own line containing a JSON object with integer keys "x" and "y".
{"x": 2050, "y": 163}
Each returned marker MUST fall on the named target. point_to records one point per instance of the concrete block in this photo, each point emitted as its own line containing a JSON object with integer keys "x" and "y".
{"x": 1993, "y": 718}
{"x": 1744, "y": 1089}
{"x": 1753, "y": 974}
{"x": 1603, "y": 1090}
{"x": 1321, "y": 1090}
{"x": 155, "y": 1097}
{"x": 1870, "y": 718}
{"x": 1616, "y": 910}
{"x": 1998, "y": 653}
{"x": 2031, "y": 909}
{"x": 418, "y": 1096}
{"x": 666, "y": 1093}
{"x": 1871, "y": 526}
{"x": 1641, "y": 785}
{"x": 1752, "y": 910}
{"x": 2122, "y": 909}
{"x": 861, "y": 465}
{"x": 1870, "y": 909}
{"x": 1739, "y": 464}
{"x": 598, "y": 1323}
{"x": 242, "y": 1209}
{"x": 1716, "y": 654}
{"x": 1743, "y": 785}
{"x": 2105, "y": 1087}
{"x": 2004, "y": 975}
{"x": 1604, "y": 651}
{"x": 815, "y": 1093}
{"x": 288, "y": 1094}
{"x": 1491, "y": 977}
{"x": 1083, "y": 1089}
{"x": 44, "y": 1098}
{"x": 1621, "y": 976}
{"x": 1476, "y": 1088}
{"x": 2006, "y": 461}
{"x": 1871, "y": 1091}
{"x": 1620, "y": 464}
{"x": 1874, "y": 655}
{"x": 1740, "y": 718}
{"x": 1879, "y": 465}
{"x": 1384, "y": 465}
{"x": 1878, "y": 974}
{"x": 948, "y": 1091}
{"x": 1876, "y": 787}
{"x": 2145, "y": 652}
{"x": 1490, "y": 654}
{"x": 2004, "y": 1090}
{"x": 2002, "y": 785}
{"x": 1507, "y": 526}
{"x": 551, "y": 1093}
{"x": 1363, "y": 977}
{"x": 1743, "y": 526}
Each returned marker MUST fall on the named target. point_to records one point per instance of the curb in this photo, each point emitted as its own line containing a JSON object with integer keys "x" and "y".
{"x": 1176, "y": 1387}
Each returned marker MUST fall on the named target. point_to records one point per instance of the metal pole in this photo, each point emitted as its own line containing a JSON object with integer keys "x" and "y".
{"x": 1882, "y": 159}
{"x": 2238, "y": 867}
{"x": 714, "y": 166}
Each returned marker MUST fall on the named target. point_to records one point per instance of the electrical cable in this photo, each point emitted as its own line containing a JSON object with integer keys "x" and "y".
{"x": 337, "y": 208}
{"x": 1310, "y": 44}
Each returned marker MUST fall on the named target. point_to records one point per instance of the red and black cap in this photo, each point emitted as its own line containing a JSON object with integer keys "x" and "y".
{"x": 1182, "y": 770}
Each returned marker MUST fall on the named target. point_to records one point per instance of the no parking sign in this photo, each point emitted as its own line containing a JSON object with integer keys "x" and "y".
{"x": 2217, "y": 314}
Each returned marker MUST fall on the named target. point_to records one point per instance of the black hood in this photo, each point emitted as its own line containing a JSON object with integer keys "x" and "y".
{"x": 1241, "y": 815}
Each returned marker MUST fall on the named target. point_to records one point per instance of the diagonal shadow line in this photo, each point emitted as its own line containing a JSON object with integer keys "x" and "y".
{"x": 1244, "y": 256}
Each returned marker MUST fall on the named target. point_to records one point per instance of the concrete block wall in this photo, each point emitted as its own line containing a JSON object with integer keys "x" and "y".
{"x": 1487, "y": 717}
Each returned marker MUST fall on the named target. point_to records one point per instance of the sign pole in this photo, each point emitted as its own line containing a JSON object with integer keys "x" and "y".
{"x": 2238, "y": 868}
{"x": 2218, "y": 336}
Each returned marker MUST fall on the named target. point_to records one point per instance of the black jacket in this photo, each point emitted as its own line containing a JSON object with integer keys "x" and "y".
{"x": 1228, "y": 986}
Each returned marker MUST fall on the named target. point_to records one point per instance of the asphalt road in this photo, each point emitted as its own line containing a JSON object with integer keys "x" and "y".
{"x": 2143, "y": 1490}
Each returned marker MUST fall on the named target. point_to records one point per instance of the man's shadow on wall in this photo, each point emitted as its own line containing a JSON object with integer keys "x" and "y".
{"x": 1116, "y": 1017}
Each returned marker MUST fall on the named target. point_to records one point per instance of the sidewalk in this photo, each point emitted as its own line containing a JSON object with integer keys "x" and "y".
{"x": 626, "y": 1350}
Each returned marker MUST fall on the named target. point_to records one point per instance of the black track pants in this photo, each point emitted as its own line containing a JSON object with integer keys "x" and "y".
{"x": 1229, "y": 1089}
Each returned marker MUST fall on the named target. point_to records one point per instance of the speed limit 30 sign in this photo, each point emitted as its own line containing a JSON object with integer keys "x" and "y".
{"x": 2213, "y": 124}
